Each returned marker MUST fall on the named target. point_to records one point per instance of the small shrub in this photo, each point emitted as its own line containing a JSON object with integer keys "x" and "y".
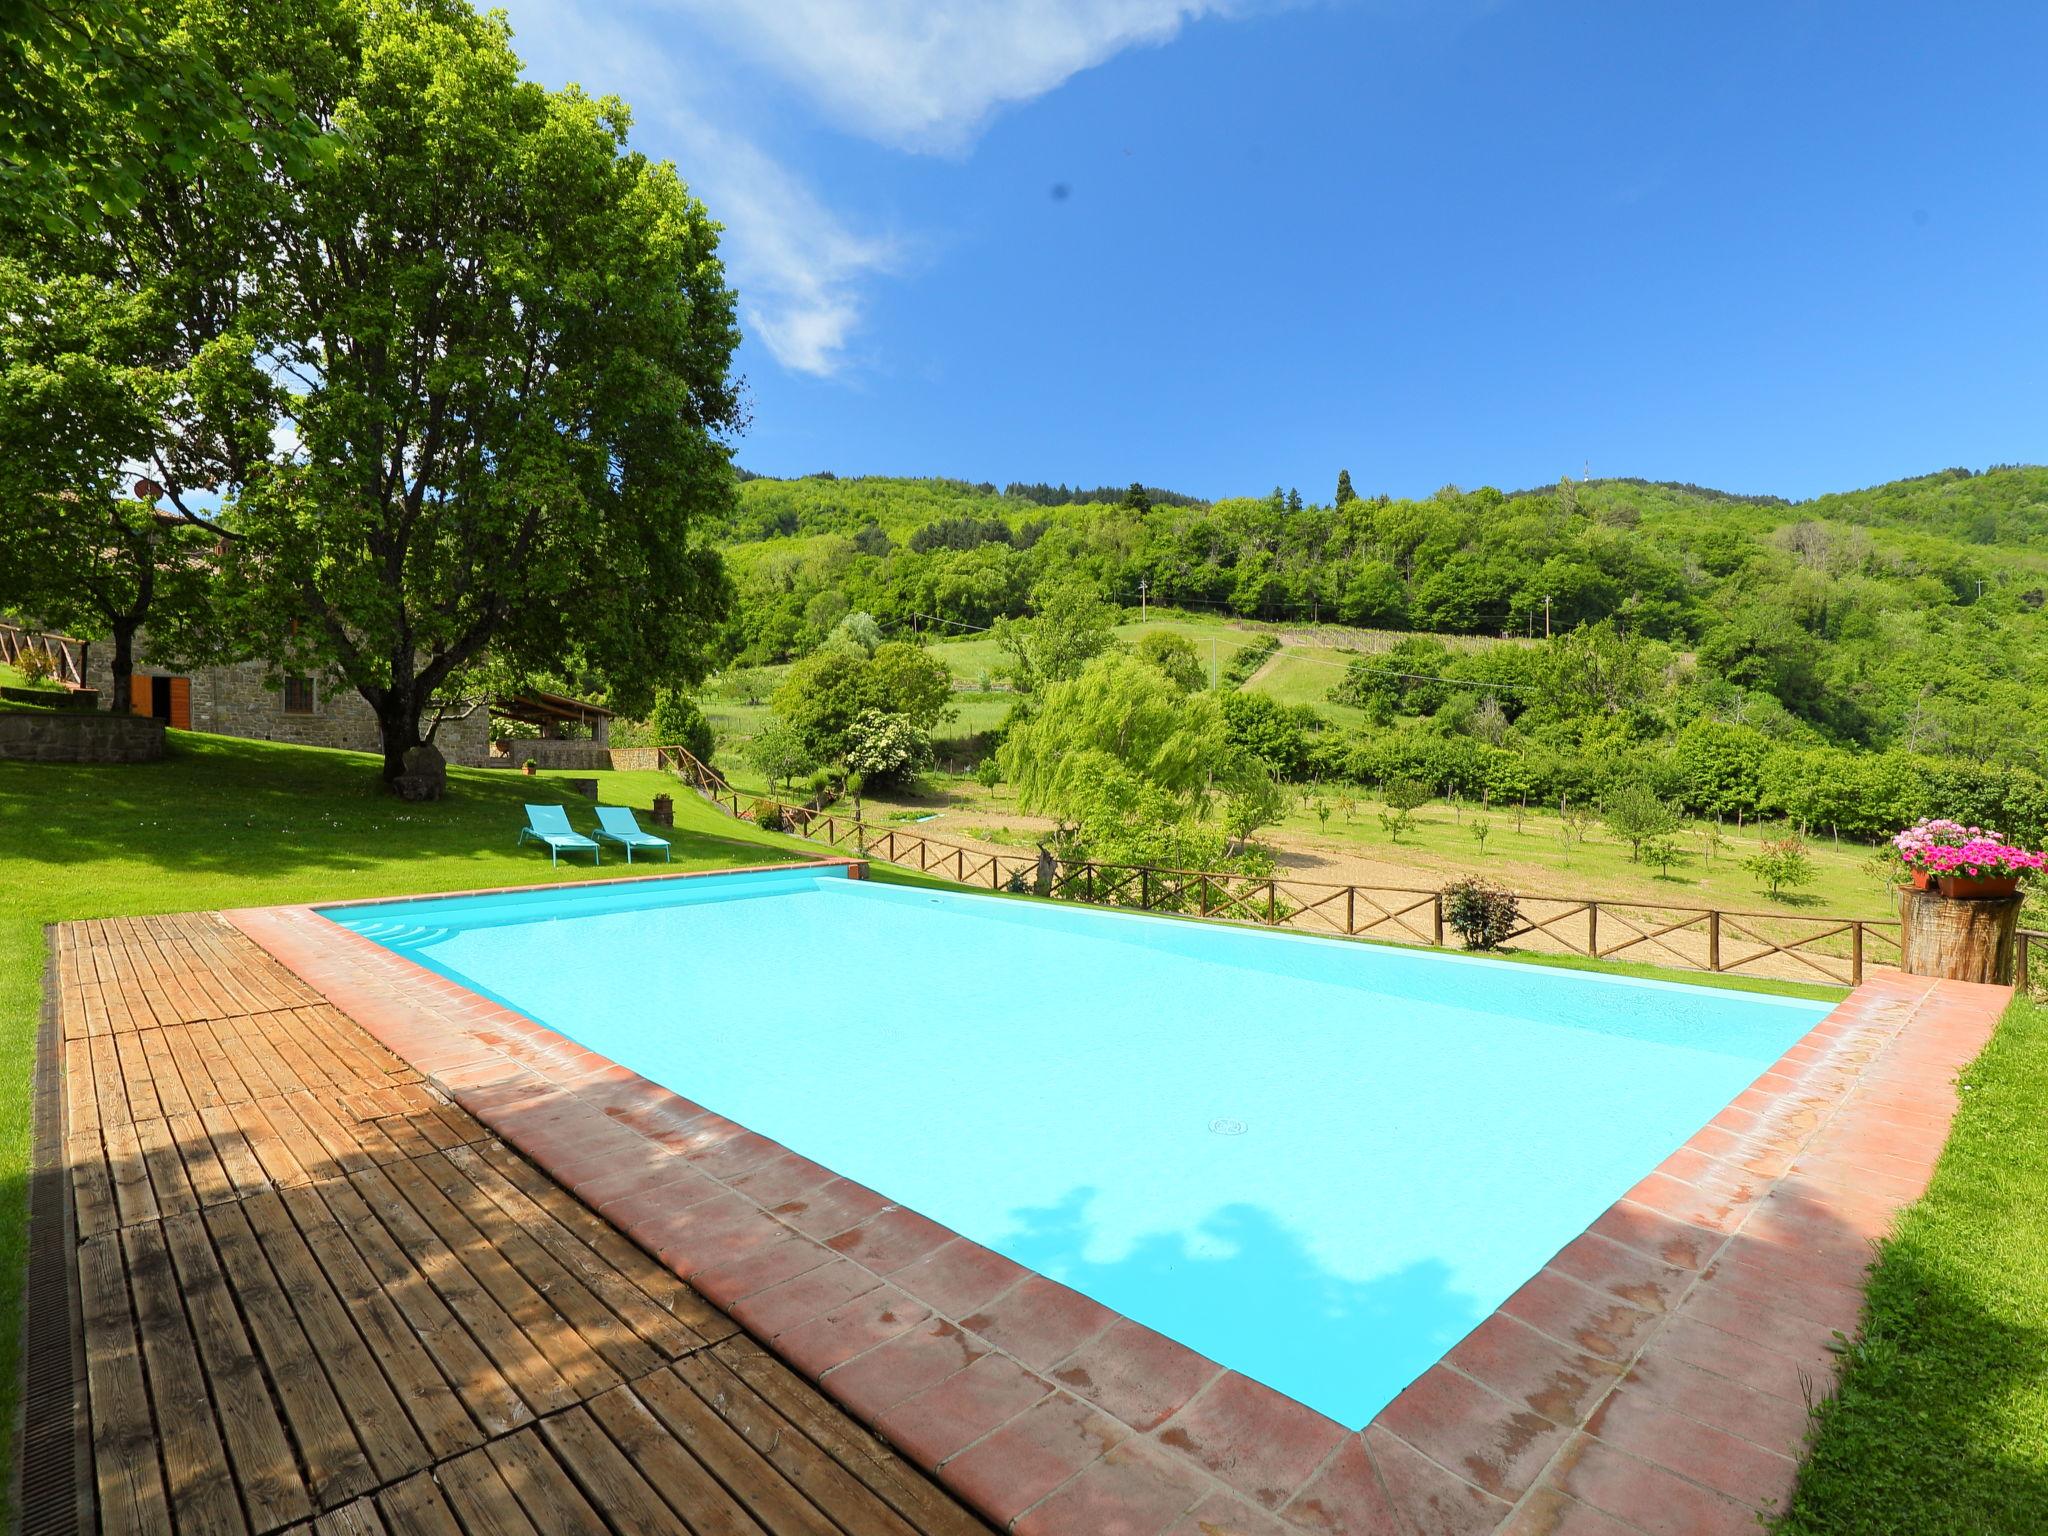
{"x": 1484, "y": 914}
{"x": 1660, "y": 853}
{"x": 1402, "y": 797}
{"x": 988, "y": 773}
{"x": 1635, "y": 815}
{"x": 1782, "y": 865}
{"x": 1481, "y": 829}
{"x": 1249, "y": 660}
{"x": 768, "y": 815}
{"x": 676, "y": 721}
{"x": 37, "y": 668}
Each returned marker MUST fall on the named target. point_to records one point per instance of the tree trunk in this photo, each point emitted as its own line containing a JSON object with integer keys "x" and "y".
{"x": 398, "y": 723}
{"x": 122, "y": 667}
{"x": 1958, "y": 940}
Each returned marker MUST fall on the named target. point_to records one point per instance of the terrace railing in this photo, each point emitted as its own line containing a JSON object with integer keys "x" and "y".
{"x": 1784, "y": 945}
{"x": 65, "y": 654}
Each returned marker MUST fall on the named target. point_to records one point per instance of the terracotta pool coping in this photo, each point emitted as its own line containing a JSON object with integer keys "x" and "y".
{"x": 1653, "y": 1376}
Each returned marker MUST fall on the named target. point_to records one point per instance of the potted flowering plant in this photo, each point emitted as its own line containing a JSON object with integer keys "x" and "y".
{"x": 1964, "y": 863}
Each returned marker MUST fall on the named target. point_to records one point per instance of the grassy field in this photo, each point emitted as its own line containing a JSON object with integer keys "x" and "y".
{"x": 1941, "y": 1424}
{"x": 1353, "y": 846}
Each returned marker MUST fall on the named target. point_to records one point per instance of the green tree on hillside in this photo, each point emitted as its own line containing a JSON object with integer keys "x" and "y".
{"x": 676, "y": 721}
{"x": 1174, "y": 655}
{"x": 822, "y": 696}
{"x": 1121, "y": 760}
{"x": 1070, "y": 626}
{"x": 1345, "y": 495}
{"x": 95, "y": 94}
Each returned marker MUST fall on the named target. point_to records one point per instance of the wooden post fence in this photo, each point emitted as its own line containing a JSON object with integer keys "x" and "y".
{"x": 1651, "y": 930}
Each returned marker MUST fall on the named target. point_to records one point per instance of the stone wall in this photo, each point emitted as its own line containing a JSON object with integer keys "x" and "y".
{"x": 66, "y": 736}
{"x": 547, "y": 752}
{"x": 237, "y": 700}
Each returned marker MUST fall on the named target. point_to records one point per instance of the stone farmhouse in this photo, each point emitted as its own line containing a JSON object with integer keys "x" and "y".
{"x": 245, "y": 699}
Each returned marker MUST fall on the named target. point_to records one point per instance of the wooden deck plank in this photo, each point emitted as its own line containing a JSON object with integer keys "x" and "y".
{"x": 261, "y": 1454}
{"x": 685, "y": 1483}
{"x": 639, "y": 1310}
{"x": 543, "y": 1489}
{"x": 610, "y": 1244}
{"x": 483, "y": 1389}
{"x": 852, "y": 1449}
{"x": 581, "y": 1369}
{"x": 437, "y": 1413}
{"x": 380, "y": 1424}
{"x": 480, "y": 1498}
{"x": 130, "y": 1482}
{"x": 195, "y": 1459}
{"x": 515, "y": 1355}
{"x": 319, "y": 1298}
{"x": 595, "y": 1323}
{"x": 416, "y": 1507}
{"x": 335, "y": 1463}
{"x": 615, "y": 1485}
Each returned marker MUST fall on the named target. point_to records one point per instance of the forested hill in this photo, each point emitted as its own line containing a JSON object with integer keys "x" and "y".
{"x": 1903, "y": 615}
{"x": 2007, "y": 504}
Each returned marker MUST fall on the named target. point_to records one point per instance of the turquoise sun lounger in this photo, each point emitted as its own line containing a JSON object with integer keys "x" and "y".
{"x": 550, "y": 824}
{"x": 617, "y": 824}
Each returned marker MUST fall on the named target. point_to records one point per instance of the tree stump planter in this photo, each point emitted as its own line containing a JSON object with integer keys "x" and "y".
{"x": 1958, "y": 940}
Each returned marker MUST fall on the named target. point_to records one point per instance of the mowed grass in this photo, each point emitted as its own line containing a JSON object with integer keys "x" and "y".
{"x": 226, "y": 823}
{"x": 1940, "y": 1427}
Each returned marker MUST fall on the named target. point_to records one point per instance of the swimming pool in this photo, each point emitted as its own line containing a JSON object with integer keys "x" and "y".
{"x": 1320, "y": 1163}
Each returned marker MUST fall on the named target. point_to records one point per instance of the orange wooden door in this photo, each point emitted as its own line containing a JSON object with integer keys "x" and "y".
{"x": 181, "y": 703}
{"x": 138, "y": 693}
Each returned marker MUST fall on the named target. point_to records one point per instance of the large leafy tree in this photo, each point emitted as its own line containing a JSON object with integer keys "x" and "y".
{"x": 95, "y": 93}
{"x": 85, "y": 389}
{"x": 501, "y": 345}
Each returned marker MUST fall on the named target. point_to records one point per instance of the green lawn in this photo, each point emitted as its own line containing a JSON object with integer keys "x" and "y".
{"x": 1941, "y": 1424}
{"x": 225, "y": 823}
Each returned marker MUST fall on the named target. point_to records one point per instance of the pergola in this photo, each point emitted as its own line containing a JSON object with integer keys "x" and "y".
{"x": 552, "y": 711}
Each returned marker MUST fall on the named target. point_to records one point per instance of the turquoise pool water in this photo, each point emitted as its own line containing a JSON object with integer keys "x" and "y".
{"x": 1320, "y": 1163}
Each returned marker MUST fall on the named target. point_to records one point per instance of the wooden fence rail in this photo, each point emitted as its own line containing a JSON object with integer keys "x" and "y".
{"x": 1829, "y": 949}
{"x": 65, "y": 654}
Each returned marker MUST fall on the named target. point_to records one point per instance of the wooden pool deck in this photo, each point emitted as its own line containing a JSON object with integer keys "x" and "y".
{"x": 307, "y": 1292}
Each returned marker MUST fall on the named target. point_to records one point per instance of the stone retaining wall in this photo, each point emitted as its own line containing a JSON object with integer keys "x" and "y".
{"x": 546, "y": 752}
{"x": 69, "y": 737}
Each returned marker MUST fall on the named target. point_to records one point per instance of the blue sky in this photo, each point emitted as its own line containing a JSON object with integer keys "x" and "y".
{"x": 1768, "y": 247}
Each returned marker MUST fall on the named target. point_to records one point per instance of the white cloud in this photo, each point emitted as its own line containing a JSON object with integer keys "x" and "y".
{"x": 798, "y": 266}
{"x": 914, "y": 74}
{"x": 926, "y": 74}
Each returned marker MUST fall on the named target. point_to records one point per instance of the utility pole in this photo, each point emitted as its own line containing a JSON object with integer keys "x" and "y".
{"x": 1141, "y": 598}
{"x": 1980, "y": 590}
{"x": 1546, "y": 615}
